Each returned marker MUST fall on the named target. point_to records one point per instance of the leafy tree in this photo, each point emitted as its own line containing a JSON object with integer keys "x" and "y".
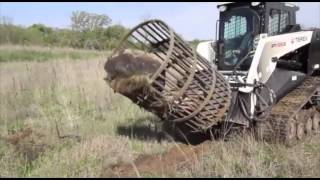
{"x": 49, "y": 37}
{"x": 113, "y": 35}
{"x": 84, "y": 21}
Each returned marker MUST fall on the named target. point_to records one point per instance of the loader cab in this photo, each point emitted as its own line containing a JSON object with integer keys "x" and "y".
{"x": 240, "y": 23}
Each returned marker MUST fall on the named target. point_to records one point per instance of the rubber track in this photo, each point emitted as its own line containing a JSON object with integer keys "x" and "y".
{"x": 276, "y": 127}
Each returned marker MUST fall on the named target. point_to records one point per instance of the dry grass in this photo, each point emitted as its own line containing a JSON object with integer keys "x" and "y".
{"x": 245, "y": 157}
{"x": 73, "y": 96}
{"x": 37, "y": 97}
{"x": 14, "y": 53}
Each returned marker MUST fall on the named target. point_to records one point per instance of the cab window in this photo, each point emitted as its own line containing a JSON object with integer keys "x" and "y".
{"x": 235, "y": 27}
{"x": 278, "y": 20}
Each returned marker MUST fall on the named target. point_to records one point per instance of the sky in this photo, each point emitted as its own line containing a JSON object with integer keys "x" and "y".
{"x": 192, "y": 20}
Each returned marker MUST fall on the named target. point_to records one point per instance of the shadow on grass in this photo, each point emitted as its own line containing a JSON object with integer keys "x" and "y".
{"x": 142, "y": 129}
{"x": 151, "y": 132}
{"x": 146, "y": 130}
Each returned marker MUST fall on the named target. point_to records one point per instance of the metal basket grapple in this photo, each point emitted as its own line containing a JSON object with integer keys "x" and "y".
{"x": 186, "y": 88}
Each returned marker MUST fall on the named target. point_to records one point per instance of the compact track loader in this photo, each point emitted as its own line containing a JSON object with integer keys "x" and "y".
{"x": 260, "y": 74}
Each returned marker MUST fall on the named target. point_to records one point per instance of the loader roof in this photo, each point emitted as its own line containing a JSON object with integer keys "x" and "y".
{"x": 292, "y": 4}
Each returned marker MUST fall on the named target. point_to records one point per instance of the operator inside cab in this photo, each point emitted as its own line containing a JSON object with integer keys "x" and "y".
{"x": 239, "y": 42}
{"x": 237, "y": 30}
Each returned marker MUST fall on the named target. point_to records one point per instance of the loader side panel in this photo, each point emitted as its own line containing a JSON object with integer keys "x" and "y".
{"x": 314, "y": 54}
{"x": 283, "y": 81}
{"x": 274, "y": 47}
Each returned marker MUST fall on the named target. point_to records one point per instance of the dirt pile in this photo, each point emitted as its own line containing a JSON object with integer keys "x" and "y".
{"x": 171, "y": 161}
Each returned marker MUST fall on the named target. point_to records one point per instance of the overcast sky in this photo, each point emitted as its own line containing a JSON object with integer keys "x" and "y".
{"x": 190, "y": 19}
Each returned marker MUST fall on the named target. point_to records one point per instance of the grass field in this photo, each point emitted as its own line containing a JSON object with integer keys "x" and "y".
{"x": 58, "y": 118}
{"x": 11, "y": 53}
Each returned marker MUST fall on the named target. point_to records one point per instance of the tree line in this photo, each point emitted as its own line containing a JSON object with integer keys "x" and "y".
{"x": 88, "y": 31}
